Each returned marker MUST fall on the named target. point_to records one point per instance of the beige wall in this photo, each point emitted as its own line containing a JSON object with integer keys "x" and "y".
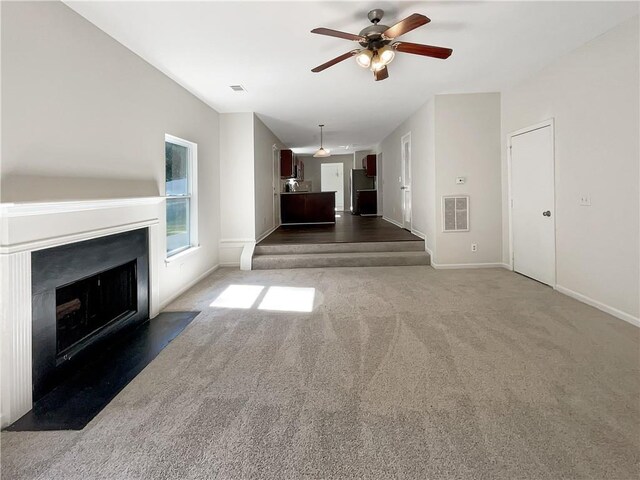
{"x": 83, "y": 117}
{"x": 451, "y": 136}
{"x": 467, "y": 144}
{"x": 237, "y": 177}
{"x": 246, "y": 169}
{"x": 389, "y": 180}
{"x": 592, "y": 94}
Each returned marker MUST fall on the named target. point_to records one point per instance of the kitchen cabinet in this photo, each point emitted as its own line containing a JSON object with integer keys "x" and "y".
{"x": 307, "y": 207}
{"x": 369, "y": 165}
{"x": 367, "y": 202}
{"x": 287, "y": 169}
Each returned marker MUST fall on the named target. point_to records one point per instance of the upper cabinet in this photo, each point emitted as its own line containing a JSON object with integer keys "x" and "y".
{"x": 369, "y": 165}
{"x": 286, "y": 164}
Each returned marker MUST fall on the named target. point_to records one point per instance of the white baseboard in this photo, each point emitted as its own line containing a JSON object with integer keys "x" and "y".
{"x": 392, "y": 221}
{"x": 188, "y": 286}
{"x": 455, "y": 266}
{"x": 266, "y": 234}
{"x": 428, "y": 250}
{"x": 418, "y": 233}
{"x": 599, "y": 305}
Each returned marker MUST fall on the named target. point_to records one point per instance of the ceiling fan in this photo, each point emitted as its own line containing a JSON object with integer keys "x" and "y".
{"x": 378, "y": 45}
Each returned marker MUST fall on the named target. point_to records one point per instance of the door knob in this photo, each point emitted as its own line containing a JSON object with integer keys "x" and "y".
{"x": 547, "y": 213}
{"x": 403, "y": 188}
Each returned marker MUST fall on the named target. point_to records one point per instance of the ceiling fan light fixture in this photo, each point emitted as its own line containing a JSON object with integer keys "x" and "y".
{"x": 322, "y": 152}
{"x": 376, "y": 63}
{"x": 386, "y": 54}
{"x": 363, "y": 58}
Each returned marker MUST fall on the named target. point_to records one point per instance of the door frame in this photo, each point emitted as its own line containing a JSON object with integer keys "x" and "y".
{"x": 547, "y": 123}
{"x": 406, "y": 138}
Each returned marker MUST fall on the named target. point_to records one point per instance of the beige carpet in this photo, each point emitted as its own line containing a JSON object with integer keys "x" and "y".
{"x": 399, "y": 372}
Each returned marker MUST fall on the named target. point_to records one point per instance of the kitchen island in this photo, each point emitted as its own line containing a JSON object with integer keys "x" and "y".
{"x": 298, "y": 208}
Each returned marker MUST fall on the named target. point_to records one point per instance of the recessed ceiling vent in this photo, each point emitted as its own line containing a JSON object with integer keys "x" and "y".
{"x": 237, "y": 88}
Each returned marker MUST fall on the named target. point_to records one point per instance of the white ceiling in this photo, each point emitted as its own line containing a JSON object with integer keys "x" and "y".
{"x": 267, "y": 47}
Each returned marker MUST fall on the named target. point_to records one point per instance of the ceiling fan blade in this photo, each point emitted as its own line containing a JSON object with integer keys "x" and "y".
{"x": 381, "y": 74}
{"x": 336, "y": 33}
{"x": 331, "y": 63}
{"x": 425, "y": 50}
{"x": 403, "y": 26}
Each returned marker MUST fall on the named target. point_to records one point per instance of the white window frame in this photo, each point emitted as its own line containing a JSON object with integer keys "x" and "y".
{"x": 192, "y": 187}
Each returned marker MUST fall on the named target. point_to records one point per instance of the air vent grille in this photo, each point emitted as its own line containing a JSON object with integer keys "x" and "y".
{"x": 455, "y": 213}
{"x": 237, "y": 88}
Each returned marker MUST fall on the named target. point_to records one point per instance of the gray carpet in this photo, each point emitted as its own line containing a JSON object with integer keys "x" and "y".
{"x": 399, "y": 372}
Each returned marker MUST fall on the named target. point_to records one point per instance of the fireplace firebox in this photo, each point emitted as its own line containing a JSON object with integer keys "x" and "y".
{"x": 84, "y": 295}
{"x": 86, "y": 306}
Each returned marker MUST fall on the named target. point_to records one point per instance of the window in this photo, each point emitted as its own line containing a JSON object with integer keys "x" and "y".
{"x": 180, "y": 191}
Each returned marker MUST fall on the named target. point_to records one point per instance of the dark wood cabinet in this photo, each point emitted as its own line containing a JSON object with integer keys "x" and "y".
{"x": 369, "y": 165}
{"x": 367, "y": 202}
{"x": 316, "y": 207}
{"x": 286, "y": 164}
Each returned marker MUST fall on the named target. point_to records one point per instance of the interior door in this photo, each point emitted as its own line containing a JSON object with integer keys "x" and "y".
{"x": 533, "y": 204}
{"x": 405, "y": 188}
{"x": 332, "y": 180}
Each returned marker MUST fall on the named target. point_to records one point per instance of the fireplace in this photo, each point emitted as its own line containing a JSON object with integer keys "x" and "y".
{"x": 84, "y": 295}
{"x": 86, "y": 306}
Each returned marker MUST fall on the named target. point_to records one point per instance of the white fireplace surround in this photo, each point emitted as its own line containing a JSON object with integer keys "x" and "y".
{"x": 27, "y": 227}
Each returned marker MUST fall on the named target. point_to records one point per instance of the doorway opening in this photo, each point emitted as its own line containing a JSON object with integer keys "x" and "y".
{"x": 332, "y": 180}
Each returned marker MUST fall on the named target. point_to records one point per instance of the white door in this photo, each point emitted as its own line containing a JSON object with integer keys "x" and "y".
{"x": 332, "y": 180}
{"x": 405, "y": 188}
{"x": 533, "y": 204}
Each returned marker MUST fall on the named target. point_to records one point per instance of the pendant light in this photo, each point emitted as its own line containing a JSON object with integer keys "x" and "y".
{"x": 321, "y": 151}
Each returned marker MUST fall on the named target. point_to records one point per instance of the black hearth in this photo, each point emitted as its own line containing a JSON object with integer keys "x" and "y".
{"x": 84, "y": 296}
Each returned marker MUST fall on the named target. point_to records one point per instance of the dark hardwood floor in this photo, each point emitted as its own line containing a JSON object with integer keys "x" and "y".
{"x": 347, "y": 229}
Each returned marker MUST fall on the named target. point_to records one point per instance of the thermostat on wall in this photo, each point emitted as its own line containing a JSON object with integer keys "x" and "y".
{"x": 459, "y": 180}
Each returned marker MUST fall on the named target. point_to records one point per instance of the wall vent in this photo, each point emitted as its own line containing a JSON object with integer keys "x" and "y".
{"x": 237, "y": 88}
{"x": 455, "y": 213}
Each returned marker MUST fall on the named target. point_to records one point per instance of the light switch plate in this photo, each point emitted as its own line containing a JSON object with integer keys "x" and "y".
{"x": 459, "y": 180}
{"x": 585, "y": 200}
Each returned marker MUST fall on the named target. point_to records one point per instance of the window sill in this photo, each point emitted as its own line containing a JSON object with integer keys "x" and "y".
{"x": 182, "y": 254}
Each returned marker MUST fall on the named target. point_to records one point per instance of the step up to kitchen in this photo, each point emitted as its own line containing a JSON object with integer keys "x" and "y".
{"x": 262, "y": 261}
{"x": 359, "y": 247}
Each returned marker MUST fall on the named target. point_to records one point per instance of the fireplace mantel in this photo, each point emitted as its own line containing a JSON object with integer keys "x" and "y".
{"x": 31, "y": 226}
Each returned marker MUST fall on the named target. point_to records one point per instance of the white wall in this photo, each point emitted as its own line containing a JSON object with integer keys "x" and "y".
{"x": 467, "y": 144}
{"x": 237, "y": 188}
{"x": 592, "y": 94}
{"x": 83, "y": 117}
{"x": 263, "y": 142}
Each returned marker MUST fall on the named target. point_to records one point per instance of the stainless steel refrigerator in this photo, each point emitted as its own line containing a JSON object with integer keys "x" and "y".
{"x": 359, "y": 181}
